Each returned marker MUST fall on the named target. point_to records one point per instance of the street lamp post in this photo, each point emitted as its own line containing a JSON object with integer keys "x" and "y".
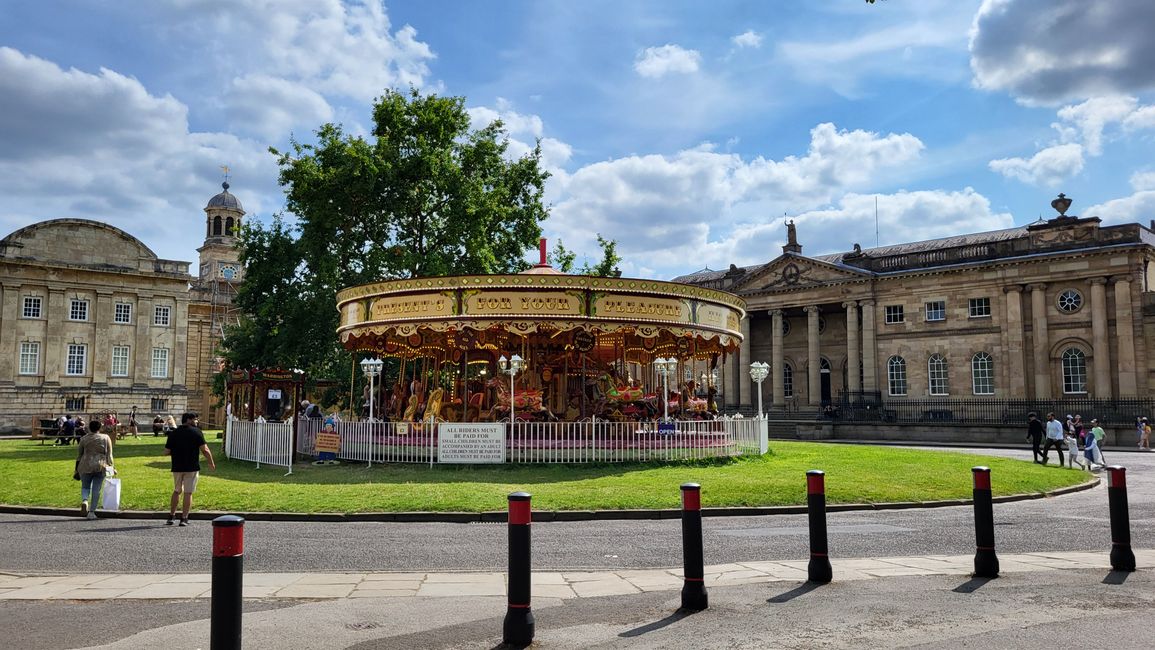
{"x": 758, "y": 372}
{"x": 513, "y": 365}
{"x": 371, "y": 368}
{"x": 665, "y": 367}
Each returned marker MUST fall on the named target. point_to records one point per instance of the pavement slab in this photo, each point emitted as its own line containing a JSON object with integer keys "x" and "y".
{"x": 168, "y": 590}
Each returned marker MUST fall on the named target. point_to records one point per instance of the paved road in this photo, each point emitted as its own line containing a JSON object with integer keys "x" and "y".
{"x": 1071, "y": 522}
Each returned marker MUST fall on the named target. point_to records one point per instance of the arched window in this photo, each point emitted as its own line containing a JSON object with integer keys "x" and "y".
{"x": 896, "y": 375}
{"x": 229, "y": 226}
{"x": 983, "y": 374}
{"x": 787, "y": 380}
{"x": 216, "y": 226}
{"x": 1074, "y": 371}
{"x": 937, "y": 372}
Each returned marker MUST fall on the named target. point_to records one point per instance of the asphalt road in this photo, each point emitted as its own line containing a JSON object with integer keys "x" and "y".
{"x": 1070, "y": 522}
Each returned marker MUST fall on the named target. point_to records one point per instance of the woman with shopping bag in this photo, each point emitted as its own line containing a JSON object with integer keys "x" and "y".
{"x": 94, "y": 459}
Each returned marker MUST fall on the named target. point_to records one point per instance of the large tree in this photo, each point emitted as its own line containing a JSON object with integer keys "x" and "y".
{"x": 425, "y": 195}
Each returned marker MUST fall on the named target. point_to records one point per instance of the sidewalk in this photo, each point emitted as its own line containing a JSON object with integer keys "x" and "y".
{"x": 560, "y": 585}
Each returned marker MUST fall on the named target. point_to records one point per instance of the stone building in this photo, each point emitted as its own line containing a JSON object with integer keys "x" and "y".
{"x": 1058, "y": 309}
{"x": 91, "y": 320}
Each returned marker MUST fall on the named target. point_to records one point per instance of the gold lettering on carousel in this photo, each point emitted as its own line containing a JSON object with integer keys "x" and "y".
{"x": 522, "y": 303}
{"x": 653, "y": 309}
{"x": 409, "y": 307}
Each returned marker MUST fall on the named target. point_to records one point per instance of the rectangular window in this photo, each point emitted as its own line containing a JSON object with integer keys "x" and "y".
{"x": 980, "y": 308}
{"x": 78, "y": 310}
{"x": 160, "y": 363}
{"x": 123, "y": 313}
{"x": 29, "y": 357}
{"x": 894, "y": 314}
{"x": 161, "y": 315}
{"x": 32, "y": 306}
{"x": 77, "y": 359}
{"x": 936, "y": 310}
{"x": 159, "y": 405}
{"x": 74, "y": 404}
{"x": 119, "y": 361}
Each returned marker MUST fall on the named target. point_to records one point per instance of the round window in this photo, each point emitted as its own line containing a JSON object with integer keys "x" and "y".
{"x": 785, "y": 327}
{"x": 821, "y": 324}
{"x": 1070, "y": 301}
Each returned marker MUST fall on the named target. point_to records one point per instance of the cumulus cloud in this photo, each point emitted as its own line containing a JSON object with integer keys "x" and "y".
{"x": 1143, "y": 181}
{"x": 698, "y": 204}
{"x": 100, "y": 146}
{"x": 524, "y": 131}
{"x": 748, "y": 38}
{"x": 1139, "y": 207}
{"x": 1091, "y": 117}
{"x": 1049, "y": 51}
{"x": 1050, "y": 166}
{"x": 656, "y": 62}
{"x": 273, "y": 106}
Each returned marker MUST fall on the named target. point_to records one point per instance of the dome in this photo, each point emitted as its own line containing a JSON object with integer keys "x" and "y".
{"x": 225, "y": 200}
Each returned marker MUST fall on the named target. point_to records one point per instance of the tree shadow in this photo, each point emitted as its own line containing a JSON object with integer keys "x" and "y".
{"x": 971, "y": 586}
{"x": 1116, "y": 577}
{"x": 657, "y": 625}
{"x": 800, "y": 590}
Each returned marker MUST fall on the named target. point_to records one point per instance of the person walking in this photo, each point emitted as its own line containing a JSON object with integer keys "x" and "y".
{"x": 1098, "y": 434}
{"x": 185, "y": 444}
{"x": 1054, "y": 439}
{"x": 1073, "y": 451}
{"x": 1035, "y": 432}
{"x": 1145, "y": 439}
{"x": 95, "y": 456}
{"x": 1091, "y": 452}
{"x": 132, "y": 426}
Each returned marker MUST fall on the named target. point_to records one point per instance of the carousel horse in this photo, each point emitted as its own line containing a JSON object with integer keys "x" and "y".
{"x": 433, "y": 406}
{"x": 616, "y": 392}
{"x": 410, "y": 410}
{"x": 524, "y": 399}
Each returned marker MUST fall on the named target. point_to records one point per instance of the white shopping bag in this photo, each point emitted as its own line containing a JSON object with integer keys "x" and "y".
{"x": 110, "y": 494}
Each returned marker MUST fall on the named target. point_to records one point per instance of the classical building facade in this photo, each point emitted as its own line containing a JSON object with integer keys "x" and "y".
{"x": 1053, "y": 310}
{"x": 92, "y": 320}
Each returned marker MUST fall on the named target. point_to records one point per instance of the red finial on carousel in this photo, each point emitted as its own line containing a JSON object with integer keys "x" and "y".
{"x": 541, "y": 249}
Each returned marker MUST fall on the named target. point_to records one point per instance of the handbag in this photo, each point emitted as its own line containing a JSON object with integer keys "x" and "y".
{"x": 110, "y": 494}
{"x": 76, "y": 470}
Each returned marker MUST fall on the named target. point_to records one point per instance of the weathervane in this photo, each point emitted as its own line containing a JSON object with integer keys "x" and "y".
{"x": 225, "y": 169}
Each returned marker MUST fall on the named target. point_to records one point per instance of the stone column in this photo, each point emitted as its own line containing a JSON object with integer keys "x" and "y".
{"x": 54, "y": 351}
{"x": 777, "y": 361}
{"x": 10, "y": 306}
{"x": 1042, "y": 341}
{"x": 101, "y": 357}
{"x": 728, "y": 377}
{"x": 852, "y": 355}
{"x": 1102, "y": 351}
{"x": 814, "y": 357}
{"x": 142, "y": 347}
{"x": 744, "y": 364}
{"x": 1012, "y": 366}
{"x": 1125, "y": 337}
{"x": 179, "y": 352}
{"x": 869, "y": 348}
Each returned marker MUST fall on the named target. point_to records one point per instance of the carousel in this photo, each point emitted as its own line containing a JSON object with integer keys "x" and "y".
{"x": 540, "y": 346}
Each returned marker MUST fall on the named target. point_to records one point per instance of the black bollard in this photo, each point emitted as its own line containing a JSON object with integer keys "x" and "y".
{"x": 694, "y": 588}
{"x": 986, "y": 562}
{"x": 228, "y": 571}
{"x": 819, "y": 569}
{"x": 518, "y": 627}
{"x": 1122, "y": 557}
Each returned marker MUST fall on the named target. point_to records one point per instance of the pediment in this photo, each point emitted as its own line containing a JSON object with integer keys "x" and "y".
{"x": 791, "y": 271}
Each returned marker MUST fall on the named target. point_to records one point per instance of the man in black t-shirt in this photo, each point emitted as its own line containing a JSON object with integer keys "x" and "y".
{"x": 185, "y": 444}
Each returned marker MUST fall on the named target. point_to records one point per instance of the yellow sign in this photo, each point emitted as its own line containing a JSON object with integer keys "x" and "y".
{"x": 629, "y": 307}
{"x": 328, "y": 441}
{"x": 512, "y": 303}
{"x": 401, "y": 307}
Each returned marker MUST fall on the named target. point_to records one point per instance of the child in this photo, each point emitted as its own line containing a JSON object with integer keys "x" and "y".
{"x": 1073, "y": 451}
{"x": 1091, "y": 452}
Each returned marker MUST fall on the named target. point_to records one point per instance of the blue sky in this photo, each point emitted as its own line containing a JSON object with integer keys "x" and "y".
{"x": 684, "y": 130}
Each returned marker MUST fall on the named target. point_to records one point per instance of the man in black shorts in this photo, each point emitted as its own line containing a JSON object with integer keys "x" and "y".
{"x": 185, "y": 444}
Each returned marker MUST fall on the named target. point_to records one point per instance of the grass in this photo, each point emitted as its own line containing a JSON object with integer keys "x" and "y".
{"x": 35, "y": 474}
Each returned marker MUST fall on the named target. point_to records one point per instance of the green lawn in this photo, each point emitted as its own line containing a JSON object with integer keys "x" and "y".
{"x": 35, "y": 474}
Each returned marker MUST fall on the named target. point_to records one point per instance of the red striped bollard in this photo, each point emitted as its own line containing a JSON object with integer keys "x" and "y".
{"x": 518, "y": 627}
{"x": 694, "y": 588}
{"x": 986, "y": 562}
{"x": 1122, "y": 557}
{"x": 228, "y": 570}
{"x": 819, "y": 568}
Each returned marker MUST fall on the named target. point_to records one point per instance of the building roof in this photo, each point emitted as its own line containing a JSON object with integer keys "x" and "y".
{"x": 953, "y": 241}
{"x": 225, "y": 200}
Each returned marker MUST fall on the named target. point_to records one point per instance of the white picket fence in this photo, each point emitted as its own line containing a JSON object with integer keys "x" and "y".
{"x": 270, "y": 443}
{"x": 551, "y": 442}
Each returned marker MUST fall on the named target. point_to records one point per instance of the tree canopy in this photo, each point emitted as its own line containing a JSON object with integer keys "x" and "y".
{"x": 425, "y": 195}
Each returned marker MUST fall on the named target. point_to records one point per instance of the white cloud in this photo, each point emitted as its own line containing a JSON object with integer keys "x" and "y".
{"x": 656, "y": 62}
{"x": 748, "y": 38}
{"x": 1142, "y": 118}
{"x": 696, "y": 206}
{"x": 1048, "y": 51}
{"x": 1139, "y": 207}
{"x": 1094, "y": 115}
{"x": 1050, "y": 166}
{"x": 100, "y": 146}
{"x": 524, "y": 131}
{"x": 272, "y": 106}
{"x": 1143, "y": 181}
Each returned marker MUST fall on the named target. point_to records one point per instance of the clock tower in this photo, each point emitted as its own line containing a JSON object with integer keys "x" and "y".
{"x": 218, "y": 256}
